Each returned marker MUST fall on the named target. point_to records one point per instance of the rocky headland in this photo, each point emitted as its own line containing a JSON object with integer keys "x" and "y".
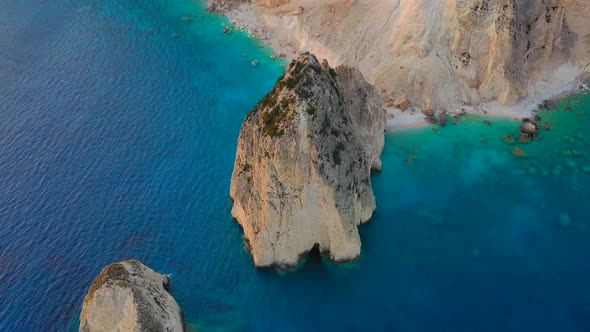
{"x": 494, "y": 57}
{"x": 129, "y": 296}
{"x": 301, "y": 179}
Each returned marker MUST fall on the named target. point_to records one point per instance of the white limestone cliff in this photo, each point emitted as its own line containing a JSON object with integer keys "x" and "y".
{"x": 129, "y": 296}
{"x": 436, "y": 54}
{"x": 301, "y": 178}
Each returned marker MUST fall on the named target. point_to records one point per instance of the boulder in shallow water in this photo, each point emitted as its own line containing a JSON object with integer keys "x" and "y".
{"x": 528, "y": 131}
{"x": 518, "y": 152}
{"x": 523, "y": 138}
{"x": 129, "y": 296}
{"x": 529, "y": 128}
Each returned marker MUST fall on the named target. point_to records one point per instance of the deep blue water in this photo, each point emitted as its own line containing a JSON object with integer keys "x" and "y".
{"x": 118, "y": 124}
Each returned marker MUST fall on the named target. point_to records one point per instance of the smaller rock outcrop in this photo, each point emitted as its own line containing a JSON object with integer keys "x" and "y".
{"x": 528, "y": 131}
{"x": 129, "y": 296}
{"x": 529, "y": 128}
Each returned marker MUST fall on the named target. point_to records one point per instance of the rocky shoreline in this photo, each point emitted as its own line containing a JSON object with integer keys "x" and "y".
{"x": 290, "y": 27}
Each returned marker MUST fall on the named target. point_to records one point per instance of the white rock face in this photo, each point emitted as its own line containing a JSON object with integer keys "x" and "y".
{"x": 302, "y": 173}
{"x": 129, "y": 296}
{"x": 442, "y": 54}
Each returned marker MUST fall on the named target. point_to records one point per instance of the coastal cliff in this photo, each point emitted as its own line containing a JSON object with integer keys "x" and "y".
{"x": 301, "y": 178}
{"x": 435, "y": 54}
{"x": 129, "y": 296}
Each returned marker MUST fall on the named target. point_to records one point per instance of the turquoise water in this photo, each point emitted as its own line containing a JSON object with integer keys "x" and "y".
{"x": 118, "y": 124}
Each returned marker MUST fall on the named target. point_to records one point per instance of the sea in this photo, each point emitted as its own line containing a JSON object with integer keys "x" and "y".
{"x": 118, "y": 129}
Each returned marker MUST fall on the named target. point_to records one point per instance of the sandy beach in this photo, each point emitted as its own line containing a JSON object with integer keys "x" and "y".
{"x": 414, "y": 118}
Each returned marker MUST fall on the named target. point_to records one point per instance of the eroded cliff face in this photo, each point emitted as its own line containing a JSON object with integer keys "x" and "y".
{"x": 443, "y": 53}
{"x": 129, "y": 296}
{"x": 503, "y": 45}
{"x": 302, "y": 172}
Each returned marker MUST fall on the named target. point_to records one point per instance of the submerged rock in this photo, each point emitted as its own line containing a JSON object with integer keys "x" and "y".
{"x": 509, "y": 139}
{"x": 528, "y": 131}
{"x": 529, "y": 128}
{"x": 522, "y": 138}
{"x": 547, "y": 105}
{"x": 301, "y": 178}
{"x": 565, "y": 220}
{"x": 129, "y": 296}
{"x": 518, "y": 152}
{"x": 428, "y": 112}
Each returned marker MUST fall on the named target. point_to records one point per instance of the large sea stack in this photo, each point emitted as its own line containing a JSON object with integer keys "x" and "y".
{"x": 129, "y": 296}
{"x": 301, "y": 178}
